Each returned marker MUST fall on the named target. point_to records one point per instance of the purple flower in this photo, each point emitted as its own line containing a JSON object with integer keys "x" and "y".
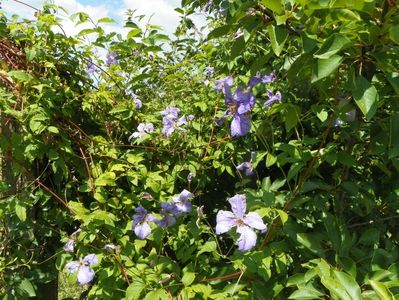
{"x": 138, "y": 103}
{"x": 191, "y": 117}
{"x": 246, "y": 167}
{"x": 182, "y": 202}
{"x": 169, "y": 212}
{"x": 259, "y": 79}
{"x": 90, "y": 68}
{"x": 111, "y": 58}
{"x": 238, "y": 106}
{"x": 140, "y": 222}
{"x": 85, "y": 273}
{"x": 171, "y": 112}
{"x": 170, "y": 124}
{"x": 69, "y": 246}
{"x": 240, "y": 125}
{"x": 272, "y": 98}
{"x": 224, "y": 85}
{"x": 142, "y": 129}
{"x": 226, "y": 220}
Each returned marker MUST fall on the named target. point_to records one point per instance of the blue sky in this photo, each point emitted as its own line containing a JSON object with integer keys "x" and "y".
{"x": 162, "y": 11}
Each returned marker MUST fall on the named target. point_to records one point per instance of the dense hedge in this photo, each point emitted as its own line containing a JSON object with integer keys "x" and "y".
{"x": 257, "y": 162}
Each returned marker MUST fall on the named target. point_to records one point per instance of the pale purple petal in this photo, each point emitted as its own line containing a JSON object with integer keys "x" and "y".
{"x": 138, "y": 103}
{"x": 142, "y": 230}
{"x": 238, "y": 205}
{"x": 269, "y": 78}
{"x": 149, "y": 128}
{"x": 69, "y": 246}
{"x": 72, "y": 266}
{"x": 225, "y": 220}
{"x": 182, "y": 121}
{"x": 90, "y": 259}
{"x": 247, "y": 239}
{"x": 240, "y": 125}
{"x": 272, "y": 98}
{"x": 85, "y": 275}
{"x": 252, "y": 219}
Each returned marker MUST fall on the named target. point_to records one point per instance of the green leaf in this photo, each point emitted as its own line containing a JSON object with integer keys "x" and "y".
{"x": 291, "y": 117}
{"x": 219, "y": 31}
{"x": 278, "y": 36}
{"x": 332, "y": 45}
{"x": 20, "y": 76}
{"x": 106, "y": 20}
{"x": 134, "y": 290}
{"x": 393, "y": 136}
{"x": 106, "y": 179}
{"x": 393, "y": 79}
{"x": 37, "y": 123}
{"x": 134, "y": 32}
{"x": 306, "y": 292}
{"x": 350, "y": 285}
{"x": 311, "y": 242}
{"x": 366, "y": 96}
{"x": 324, "y": 67}
{"x": 159, "y": 294}
{"x": 274, "y": 5}
{"x": 381, "y": 290}
{"x": 20, "y": 212}
{"x": 394, "y": 33}
{"x": 27, "y": 287}
{"x": 188, "y": 275}
{"x": 238, "y": 46}
{"x": 209, "y": 246}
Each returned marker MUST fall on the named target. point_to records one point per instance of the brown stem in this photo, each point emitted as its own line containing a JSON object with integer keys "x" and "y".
{"x": 93, "y": 190}
{"x": 228, "y": 276}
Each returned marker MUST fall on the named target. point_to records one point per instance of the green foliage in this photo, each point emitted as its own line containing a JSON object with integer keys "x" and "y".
{"x": 324, "y": 170}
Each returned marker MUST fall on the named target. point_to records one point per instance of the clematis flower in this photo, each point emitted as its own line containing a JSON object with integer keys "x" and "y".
{"x": 169, "y": 212}
{"x": 140, "y": 222}
{"x": 91, "y": 68}
{"x": 272, "y": 98}
{"x": 182, "y": 201}
{"x": 226, "y": 220}
{"x": 69, "y": 246}
{"x": 171, "y": 112}
{"x": 170, "y": 124}
{"x": 142, "y": 129}
{"x": 239, "y": 106}
{"x": 224, "y": 85}
{"x": 259, "y": 79}
{"x": 246, "y": 167}
{"x": 138, "y": 103}
{"x": 85, "y": 273}
{"x": 111, "y": 58}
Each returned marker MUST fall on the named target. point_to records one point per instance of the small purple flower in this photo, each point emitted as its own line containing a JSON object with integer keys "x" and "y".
{"x": 142, "y": 129}
{"x": 90, "y": 68}
{"x": 170, "y": 124}
{"x": 69, "y": 246}
{"x": 85, "y": 273}
{"x": 182, "y": 202}
{"x": 169, "y": 212}
{"x": 140, "y": 222}
{"x": 246, "y": 167}
{"x": 224, "y": 85}
{"x": 171, "y": 113}
{"x": 226, "y": 220}
{"x": 111, "y": 58}
{"x": 191, "y": 117}
{"x": 138, "y": 103}
{"x": 272, "y": 98}
{"x": 259, "y": 79}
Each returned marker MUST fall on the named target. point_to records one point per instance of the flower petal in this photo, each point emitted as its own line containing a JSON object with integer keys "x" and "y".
{"x": 240, "y": 125}
{"x": 90, "y": 259}
{"x": 72, "y": 266}
{"x": 247, "y": 239}
{"x": 85, "y": 275}
{"x": 238, "y": 205}
{"x": 252, "y": 219}
{"x": 225, "y": 220}
{"x": 69, "y": 246}
{"x": 143, "y": 230}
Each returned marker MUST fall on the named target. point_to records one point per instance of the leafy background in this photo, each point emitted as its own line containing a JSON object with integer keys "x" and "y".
{"x": 325, "y": 167}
